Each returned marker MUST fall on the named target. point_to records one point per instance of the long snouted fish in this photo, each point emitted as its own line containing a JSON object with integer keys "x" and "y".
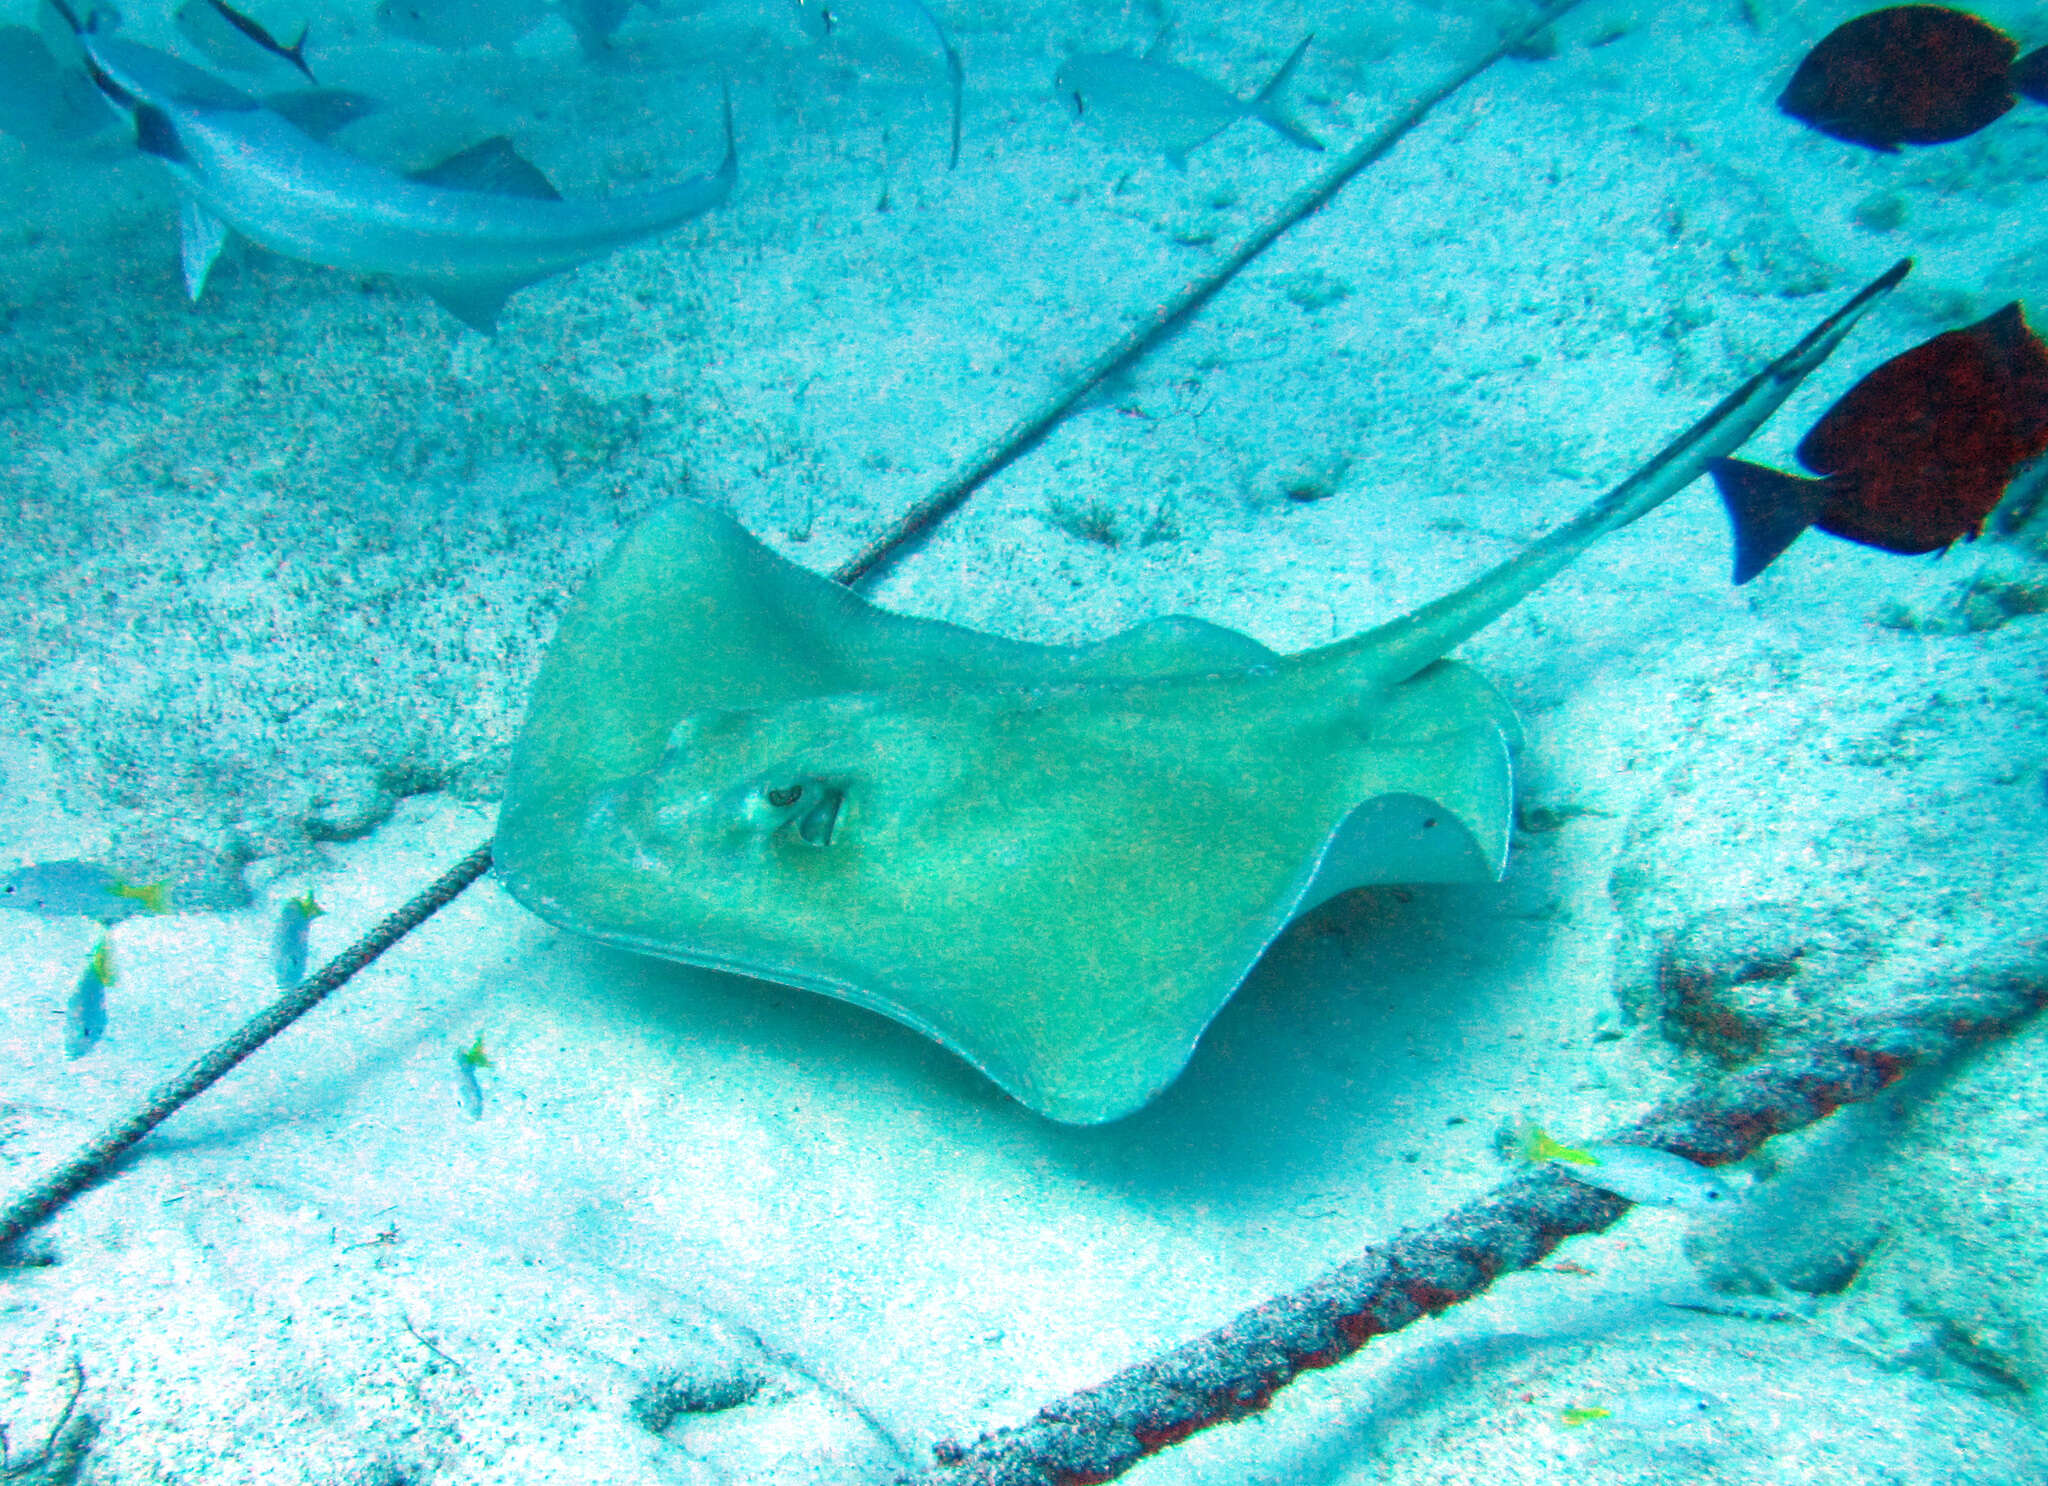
{"x": 470, "y": 231}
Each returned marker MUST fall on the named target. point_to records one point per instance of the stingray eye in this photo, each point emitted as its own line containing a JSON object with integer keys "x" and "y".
{"x": 781, "y": 798}
{"x": 818, "y": 821}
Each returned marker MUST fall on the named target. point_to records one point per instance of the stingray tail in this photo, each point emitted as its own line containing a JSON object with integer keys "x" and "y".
{"x": 1767, "y": 509}
{"x": 1266, "y": 106}
{"x": 1395, "y": 651}
{"x": 2029, "y": 75}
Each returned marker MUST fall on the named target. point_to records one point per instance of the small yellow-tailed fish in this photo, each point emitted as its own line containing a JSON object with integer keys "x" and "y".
{"x": 288, "y": 942}
{"x": 85, "y": 1015}
{"x": 1642, "y": 1174}
{"x": 469, "y": 1092}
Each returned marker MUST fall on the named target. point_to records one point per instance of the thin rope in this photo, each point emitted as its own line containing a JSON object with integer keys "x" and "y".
{"x": 1097, "y": 1434}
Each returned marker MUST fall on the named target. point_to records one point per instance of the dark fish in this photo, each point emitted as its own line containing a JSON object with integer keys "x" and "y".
{"x": 1912, "y": 74}
{"x": 1913, "y": 457}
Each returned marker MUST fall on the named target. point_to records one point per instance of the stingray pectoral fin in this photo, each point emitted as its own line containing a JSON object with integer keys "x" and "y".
{"x": 1434, "y": 784}
{"x": 201, "y": 236}
{"x": 1767, "y": 510}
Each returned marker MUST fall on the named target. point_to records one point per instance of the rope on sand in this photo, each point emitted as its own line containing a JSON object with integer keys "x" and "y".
{"x": 29, "y": 1208}
{"x": 1099, "y": 1433}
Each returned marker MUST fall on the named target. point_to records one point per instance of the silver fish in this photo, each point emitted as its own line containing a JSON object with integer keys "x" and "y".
{"x": 899, "y": 37}
{"x": 85, "y": 1015}
{"x": 1646, "y": 1176}
{"x": 1148, "y": 101}
{"x": 238, "y": 42}
{"x": 470, "y": 231}
{"x": 456, "y": 25}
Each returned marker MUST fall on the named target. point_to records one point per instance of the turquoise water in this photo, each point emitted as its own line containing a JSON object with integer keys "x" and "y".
{"x": 284, "y": 560}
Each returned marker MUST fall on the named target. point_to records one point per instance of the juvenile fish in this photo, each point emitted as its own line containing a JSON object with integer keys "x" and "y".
{"x": 238, "y": 42}
{"x": 457, "y": 25}
{"x": 469, "y": 1093}
{"x": 1150, "y": 102}
{"x": 288, "y": 943}
{"x": 1640, "y": 1173}
{"x": 85, "y": 1015}
{"x": 890, "y": 36}
{"x": 76, "y": 889}
{"x": 1657, "y": 1410}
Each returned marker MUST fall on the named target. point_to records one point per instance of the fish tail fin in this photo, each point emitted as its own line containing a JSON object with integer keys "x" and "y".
{"x": 1266, "y": 102}
{"x": 2029, "y": 75}
{"x": 1532, "y": 1144}
{"x": 1767, "y": 510}
{"x": 296, "y": 55}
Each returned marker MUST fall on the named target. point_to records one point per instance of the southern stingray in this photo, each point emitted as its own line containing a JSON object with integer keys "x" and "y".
{"x": 1059, "y": 861}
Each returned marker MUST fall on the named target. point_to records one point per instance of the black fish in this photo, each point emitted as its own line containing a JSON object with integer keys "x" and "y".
{"x": 1912, "y": 74}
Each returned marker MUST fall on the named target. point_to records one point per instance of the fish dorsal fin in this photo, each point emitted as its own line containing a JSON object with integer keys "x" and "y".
{"x": 1161, "y": 42}
{"x": 319, "y": 112}
{"x": 201, "y": 236}
{"x": 493, "y": 166}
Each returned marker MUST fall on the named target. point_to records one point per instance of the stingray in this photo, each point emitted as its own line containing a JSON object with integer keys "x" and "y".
{"x": 1059, "y": 861}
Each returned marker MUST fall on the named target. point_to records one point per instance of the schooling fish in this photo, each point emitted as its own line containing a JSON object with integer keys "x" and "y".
{"x": 1912, "y": 458}
{"x": 1912, "y": 74}
{"x": 1150, "y": 102}
{"x": 75, "y": 889}
{"x": 1640, "y": 1173}
{"x": 288, "y": 943}
{"x": 899, "y": 36}
{"x": 470, "y": 231}
{"x": 1656, "y": 1410}
{"x": 238, "y": 42}
{"x": 469, "y": 1091}
{"x": 456, "y": 25}
{"x": 85, "y": 1015}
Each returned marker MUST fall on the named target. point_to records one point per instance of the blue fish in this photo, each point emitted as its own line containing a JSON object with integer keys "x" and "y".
{"x": 85, "y": 1015}
{"x": 76, "y": 889}
{"x": 288, "y": 943}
